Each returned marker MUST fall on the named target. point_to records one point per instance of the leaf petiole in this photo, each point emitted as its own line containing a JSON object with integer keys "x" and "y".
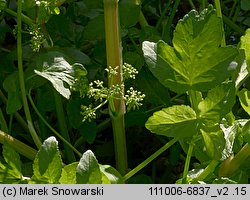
{"x": 149, "y": 159}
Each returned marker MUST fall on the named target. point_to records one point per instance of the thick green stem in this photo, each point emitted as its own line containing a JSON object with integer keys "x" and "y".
{"x": 63, "y": 126}
{"x": 120, "y": 144}
{"x": 149, "y": 159}
{"x": 21, "y": 76}
{"x": 20, "y": 147}
{"x": 114, "y": 59}
{"x": 232, "y": 164}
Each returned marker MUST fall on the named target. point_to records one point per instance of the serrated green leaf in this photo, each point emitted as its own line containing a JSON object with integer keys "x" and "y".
{"x": 88, "y": 170}
{"x": 245, "y": 44}
{"x": 54, "y": 67}
{"x": 47, "y": 166}
{"x": 69, "y": 174}
{"x": 191, "y": 63}
{"x": 110, "y": 175}
{"x": 176, "y": 121}
{"x": 11, "y": 86}
{"x": 12, "y": 158}
{"x": 217, "y": 104}
{"x": 244, "y": 97}
{"x": 214, "y": 143}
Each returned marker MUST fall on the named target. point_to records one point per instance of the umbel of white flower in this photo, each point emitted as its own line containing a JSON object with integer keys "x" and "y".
{"x": 102, "y": 94}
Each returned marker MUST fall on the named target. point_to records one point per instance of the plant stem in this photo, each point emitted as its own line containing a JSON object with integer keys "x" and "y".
{"x": 232, "y": 164}
{"x": 219, "y": 14}
{"x": 114, "y": 59}
{"x": 63, "y": 126}
{"x": 166, "y": 34}
{"x": 21, "y": 76}
{"x": 52, "y": 129}
{"x": 142, "y": 20}
{"x": 3, "y": 123}
{"x": 20, "y": 147}
{"x": 187, "y": 162}
{"x": 194, "y": 97}
{"x": 233, "y": 8}
{"x": 191, "y": 4}
{"x": 162, "y": 15}
{"x": 19, "y": 118}
{"x": 233, "y": 26}
{"x": 149, "y": 159}
{"x": 24, "y": 18}
{"x": 208, "y": 170}
{"x": 203, "y": 5}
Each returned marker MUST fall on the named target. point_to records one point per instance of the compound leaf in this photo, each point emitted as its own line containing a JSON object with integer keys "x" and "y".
{"x": 196, "y": 61}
